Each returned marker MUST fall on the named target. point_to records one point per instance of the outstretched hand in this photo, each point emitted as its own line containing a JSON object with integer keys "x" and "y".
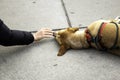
{"x": 43, "y": 33}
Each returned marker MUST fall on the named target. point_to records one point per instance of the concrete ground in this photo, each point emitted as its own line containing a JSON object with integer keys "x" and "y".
{"x": 39, "y": 61}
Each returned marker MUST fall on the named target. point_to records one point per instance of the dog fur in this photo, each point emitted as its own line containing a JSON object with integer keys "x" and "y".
{"x": 75, "y": 38}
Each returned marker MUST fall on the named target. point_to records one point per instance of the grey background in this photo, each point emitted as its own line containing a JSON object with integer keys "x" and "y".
{"x": 39, "y": 60}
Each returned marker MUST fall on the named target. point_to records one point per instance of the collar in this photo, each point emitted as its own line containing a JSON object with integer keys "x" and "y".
{"x": 97, "y": 38}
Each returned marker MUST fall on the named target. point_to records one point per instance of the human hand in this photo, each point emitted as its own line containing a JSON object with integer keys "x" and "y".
{"x": 43, "y": 33}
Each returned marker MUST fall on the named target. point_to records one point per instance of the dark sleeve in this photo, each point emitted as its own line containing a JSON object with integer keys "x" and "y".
{"x": 14, "y": 37}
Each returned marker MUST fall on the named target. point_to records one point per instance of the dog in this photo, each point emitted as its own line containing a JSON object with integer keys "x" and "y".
{"x": 102, "y": 35}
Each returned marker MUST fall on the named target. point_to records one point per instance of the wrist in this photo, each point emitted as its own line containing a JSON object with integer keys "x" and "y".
{"x": 34, "y": 35}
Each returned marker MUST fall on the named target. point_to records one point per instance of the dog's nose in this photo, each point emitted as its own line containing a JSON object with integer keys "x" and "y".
{"x": 54, "y": 34}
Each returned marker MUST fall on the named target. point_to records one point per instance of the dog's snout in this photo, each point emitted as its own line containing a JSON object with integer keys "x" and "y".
{"x": 54, "y": 33}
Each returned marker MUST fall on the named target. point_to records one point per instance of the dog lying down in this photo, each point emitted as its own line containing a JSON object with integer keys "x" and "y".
{"x": 101, "y": 34}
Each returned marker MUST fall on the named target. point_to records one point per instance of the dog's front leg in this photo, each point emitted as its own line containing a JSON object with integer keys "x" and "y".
{"x": 62, "y": 50}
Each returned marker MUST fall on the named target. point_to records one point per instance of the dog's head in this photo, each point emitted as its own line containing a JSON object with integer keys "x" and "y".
{"x": 63, "y": 37}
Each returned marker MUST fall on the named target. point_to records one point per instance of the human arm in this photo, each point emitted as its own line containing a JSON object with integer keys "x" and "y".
{"x": 10, "y": 37}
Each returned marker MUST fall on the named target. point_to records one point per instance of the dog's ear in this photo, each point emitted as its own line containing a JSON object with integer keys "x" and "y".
{"x": 62, "y": 50}
{"x": 73, "y": 29}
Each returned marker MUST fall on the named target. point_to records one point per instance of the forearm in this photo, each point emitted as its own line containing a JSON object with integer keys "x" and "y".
{"x": 14, "y": 37}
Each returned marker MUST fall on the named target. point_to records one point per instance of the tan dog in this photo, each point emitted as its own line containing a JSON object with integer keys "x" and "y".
{"x": 101, "y": 34}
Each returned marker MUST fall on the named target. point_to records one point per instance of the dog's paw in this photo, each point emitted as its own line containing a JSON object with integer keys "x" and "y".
{"x": 59, "y": 54}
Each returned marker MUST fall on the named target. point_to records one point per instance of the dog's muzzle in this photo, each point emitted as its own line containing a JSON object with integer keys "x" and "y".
{"x": 54, "y": 34}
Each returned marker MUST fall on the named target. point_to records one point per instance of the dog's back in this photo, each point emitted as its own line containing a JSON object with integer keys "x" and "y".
{"x": 108, "y": 33}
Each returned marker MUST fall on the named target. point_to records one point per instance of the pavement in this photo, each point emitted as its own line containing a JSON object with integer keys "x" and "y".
{"x": 39, "y": 60}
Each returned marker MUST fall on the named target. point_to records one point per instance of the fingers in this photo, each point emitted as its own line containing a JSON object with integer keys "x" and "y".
{"x": 47, "y": 35}
{"x": 46, "y": 32}
{"x": 43, "y": 33}
{"x": 46, "y": 29}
